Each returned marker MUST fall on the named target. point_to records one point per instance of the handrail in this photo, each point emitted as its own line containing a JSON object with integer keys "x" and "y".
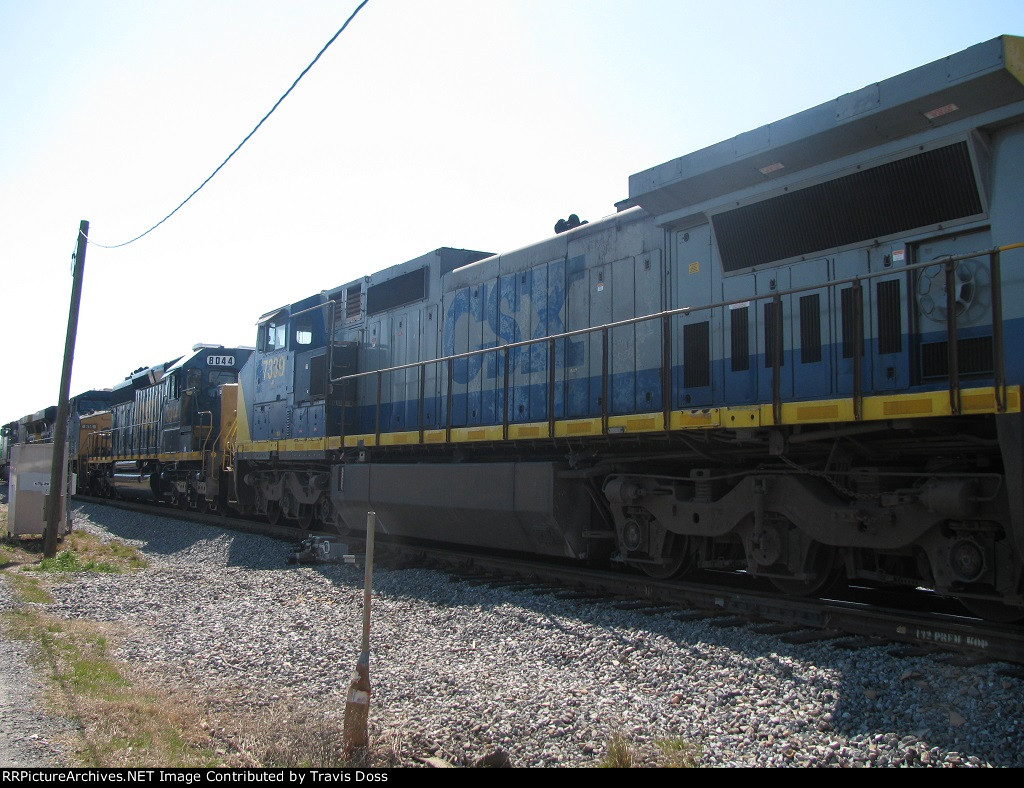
{"x": 683, "y": 310}
{"x": 124, "y": 427}
{"x": 229, "y": 446}
{"x": 206, "y": 437}
{"x": 856, "y": 282}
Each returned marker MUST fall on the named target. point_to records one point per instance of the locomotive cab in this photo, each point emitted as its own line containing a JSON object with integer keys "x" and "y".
{"x": 287, "y": 381}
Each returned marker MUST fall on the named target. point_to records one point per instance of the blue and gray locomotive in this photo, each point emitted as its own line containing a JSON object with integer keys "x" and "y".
{"x": 794, "y": 354}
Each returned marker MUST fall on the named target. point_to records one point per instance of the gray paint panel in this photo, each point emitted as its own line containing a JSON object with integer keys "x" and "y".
{"x": 509, "y": 506}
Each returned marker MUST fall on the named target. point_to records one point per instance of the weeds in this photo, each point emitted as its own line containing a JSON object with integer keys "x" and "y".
{"x": 673, "y": 754}
{"x": 68, "y": 561}
{"x": 678, "y": 754}
{"x": 620, "y": 754}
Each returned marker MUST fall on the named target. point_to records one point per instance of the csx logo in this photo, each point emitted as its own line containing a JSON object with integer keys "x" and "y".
{"x": 220, "y": 361}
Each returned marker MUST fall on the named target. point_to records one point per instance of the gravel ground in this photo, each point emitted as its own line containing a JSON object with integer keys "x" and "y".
{"x": 459, "y": 670}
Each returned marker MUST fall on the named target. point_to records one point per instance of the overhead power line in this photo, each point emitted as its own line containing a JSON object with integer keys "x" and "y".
{"x": 247, "y": 136}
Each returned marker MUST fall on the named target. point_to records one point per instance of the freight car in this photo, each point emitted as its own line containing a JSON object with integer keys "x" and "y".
{"x": 88, "y": 413}
{"x": 795, "y": 353}
{"x": 38, "y": 428}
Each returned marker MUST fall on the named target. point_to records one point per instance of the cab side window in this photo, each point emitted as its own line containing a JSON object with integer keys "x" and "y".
{"x": 304, "y": 333}
{"x": 272, "y": 336}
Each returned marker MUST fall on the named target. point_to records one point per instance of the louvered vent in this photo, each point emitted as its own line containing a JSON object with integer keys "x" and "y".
{"x": 810, "y": 329}
{"x": 353, "y": 303}
{"x": 974, "y": 357}
{"x": 890, "y": 335}
{"x": 739, "y": 331}
{"x": 847, "y": 306}
{"x": 773, "y": 329}
{"x": 696, "y": 355}
{"x": 929, "y": 188}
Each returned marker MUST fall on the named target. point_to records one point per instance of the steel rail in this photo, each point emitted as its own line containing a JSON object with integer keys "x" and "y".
{"x": 943, "y": 631}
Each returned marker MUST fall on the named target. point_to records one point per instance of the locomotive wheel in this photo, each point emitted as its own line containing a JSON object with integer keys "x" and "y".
{"x": 202, "y": 505}
{"x": 273, "y": 512}
{"x": 821, "y": 573}
{"x": 182, "y": 502}
{"x": 305, "y": 516}
{"x": 990, "y": 610}
{"x": 680, "y": 560}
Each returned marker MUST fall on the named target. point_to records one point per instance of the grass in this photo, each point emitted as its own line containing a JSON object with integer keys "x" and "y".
{"x": 672, "y": 754}
{"x": 678, "y": 754}
{"x": 620, "y": 755}
{"x": 85, "y": 552}
{"x": 28, "y": 588}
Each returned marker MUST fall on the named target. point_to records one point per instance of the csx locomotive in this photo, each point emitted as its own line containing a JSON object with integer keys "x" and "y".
{"x": 796, "y": 354}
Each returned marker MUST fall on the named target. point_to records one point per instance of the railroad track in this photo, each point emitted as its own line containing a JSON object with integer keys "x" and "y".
{"x": 860, "y": 618}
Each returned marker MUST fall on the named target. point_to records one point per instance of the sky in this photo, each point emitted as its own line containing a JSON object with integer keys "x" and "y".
{"x": 456, "y": 123}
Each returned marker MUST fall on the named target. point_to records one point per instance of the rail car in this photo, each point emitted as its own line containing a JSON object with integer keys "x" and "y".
{"x": 164, "y": 438}
{"x": 88, "y": 413}
{"x": 34, "y": 428}
{"x": 795, "y": 353}
{"x": 38, "y": 428}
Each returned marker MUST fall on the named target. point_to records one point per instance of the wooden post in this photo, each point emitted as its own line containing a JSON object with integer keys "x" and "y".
{"x": 357, "y": 706}
{"x": 60, "y": 429}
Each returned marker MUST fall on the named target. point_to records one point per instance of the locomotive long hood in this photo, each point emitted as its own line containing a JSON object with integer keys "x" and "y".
{"x": 980, "y": 83}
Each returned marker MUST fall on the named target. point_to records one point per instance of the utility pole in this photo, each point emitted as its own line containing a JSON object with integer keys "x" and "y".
{"x": 60, "y": 429}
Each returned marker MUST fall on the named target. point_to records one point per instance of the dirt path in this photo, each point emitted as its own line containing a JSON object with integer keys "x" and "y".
{"x": 28, "y": 734}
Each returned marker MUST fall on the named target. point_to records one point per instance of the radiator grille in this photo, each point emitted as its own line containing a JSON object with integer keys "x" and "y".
{"x": 929, "y": 188}
{"x": 396, "y": 292}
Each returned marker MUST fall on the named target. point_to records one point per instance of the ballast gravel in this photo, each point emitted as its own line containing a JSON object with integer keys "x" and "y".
{"x": 460, "y": 671}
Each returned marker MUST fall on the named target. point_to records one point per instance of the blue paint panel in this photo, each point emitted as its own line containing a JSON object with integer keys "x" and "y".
{"x": 767, "y": 282}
